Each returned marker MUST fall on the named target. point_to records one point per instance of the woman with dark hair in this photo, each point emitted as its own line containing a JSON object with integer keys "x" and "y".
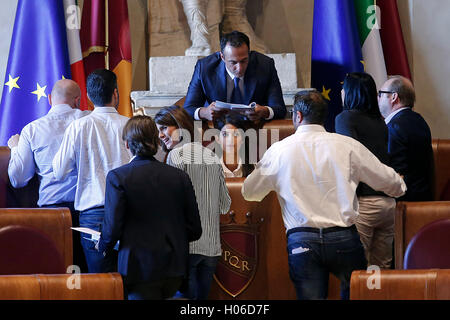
{"x": 361, "y": 119}
{"x": 235, "y": 151}
{"x": 175, "y": 127}
{"x": 153, "y": 229}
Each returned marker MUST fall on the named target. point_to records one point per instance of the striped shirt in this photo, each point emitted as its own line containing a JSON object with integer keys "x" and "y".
{"x": 206, "y": 173}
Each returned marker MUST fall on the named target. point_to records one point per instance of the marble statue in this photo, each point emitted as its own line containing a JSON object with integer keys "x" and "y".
{"x": 234, "y": 18}
{"x": 195, "y": 11}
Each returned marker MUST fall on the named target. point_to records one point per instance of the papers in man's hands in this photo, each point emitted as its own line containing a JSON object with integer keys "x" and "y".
{"x": 235, "y": 107}
{"x": 95, "y": 235}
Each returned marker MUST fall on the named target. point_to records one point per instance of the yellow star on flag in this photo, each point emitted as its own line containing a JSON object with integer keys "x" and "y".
{"x": 326, "y": 93}
{"x": 12, "y": 83}
{"x": 39, "y": 92}
{"x": 364, "y": 64}
{"x": 63, "y": 78}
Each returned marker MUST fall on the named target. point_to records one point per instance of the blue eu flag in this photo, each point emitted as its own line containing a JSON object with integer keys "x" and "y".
{"x": 336, "y": 50}
{"x": 38, "y": 57}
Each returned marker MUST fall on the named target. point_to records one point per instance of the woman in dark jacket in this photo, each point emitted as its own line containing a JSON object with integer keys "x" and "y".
{"x": 151, "y": 209}
{"x": 361, "y": 119}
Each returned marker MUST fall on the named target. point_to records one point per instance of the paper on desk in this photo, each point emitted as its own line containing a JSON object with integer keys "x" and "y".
{"x": 95, "y": 235}
{"x": 237, "y": 107}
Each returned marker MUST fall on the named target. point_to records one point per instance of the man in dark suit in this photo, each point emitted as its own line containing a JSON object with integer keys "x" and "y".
{"x": 235, "y": 75}
{"x": 151, "y": 208}
{"x": 409, "y": 143}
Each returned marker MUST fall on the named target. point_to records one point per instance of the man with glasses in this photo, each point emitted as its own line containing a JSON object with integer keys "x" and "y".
{"x": 409, "y": 144}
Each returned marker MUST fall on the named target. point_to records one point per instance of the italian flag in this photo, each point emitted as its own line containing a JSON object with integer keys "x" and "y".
{"x": 369, "y": 35}
{"x": 74, "y": 46}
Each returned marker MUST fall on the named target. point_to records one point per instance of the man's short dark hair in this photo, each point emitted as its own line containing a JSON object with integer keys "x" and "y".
{"x": 406, "y": 93}
{"x": 100, "y": 86}
{"x": 142, "y": 136}
{"x": 235, "y": 39}
{"x": 312, "y": 105}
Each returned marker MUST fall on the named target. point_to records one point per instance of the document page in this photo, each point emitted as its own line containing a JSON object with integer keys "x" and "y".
{"x": 235, "y": 107}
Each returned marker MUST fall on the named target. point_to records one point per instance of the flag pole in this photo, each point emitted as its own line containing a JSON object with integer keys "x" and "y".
{"x": 107, "y": 34}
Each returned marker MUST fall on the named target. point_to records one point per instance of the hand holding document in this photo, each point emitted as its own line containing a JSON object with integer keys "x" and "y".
{"x": 239, "y": 108}
{"x": 95, "y": 235}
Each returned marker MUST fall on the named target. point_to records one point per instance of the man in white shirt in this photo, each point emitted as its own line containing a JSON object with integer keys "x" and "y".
{"x": 91, "y": 147}
{"x": 315, "y": 174}
{"x": 32, "y": 153}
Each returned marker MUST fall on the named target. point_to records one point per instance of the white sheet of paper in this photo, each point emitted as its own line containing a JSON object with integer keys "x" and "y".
{"x": 237, "y": 107}
{"x": 95, "y": 235}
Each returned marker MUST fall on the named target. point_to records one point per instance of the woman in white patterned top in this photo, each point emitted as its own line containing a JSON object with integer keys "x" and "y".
{"x": 176, "y": 128}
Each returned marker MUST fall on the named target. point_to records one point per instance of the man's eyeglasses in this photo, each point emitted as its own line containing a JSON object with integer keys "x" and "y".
{"x": 380, "y": 92}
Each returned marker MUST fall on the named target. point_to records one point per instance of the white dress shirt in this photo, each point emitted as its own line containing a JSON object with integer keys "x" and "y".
{"x": 91, "y": 147}
{"x": 230, "y": 87}
{"x": 390, "y": 116}
{"x": 38, "y": 143}
{"x": 315, "y": 175}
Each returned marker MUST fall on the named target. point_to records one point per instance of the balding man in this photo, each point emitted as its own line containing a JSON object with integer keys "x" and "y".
{"x": 32, "y": 152}
{"x": 409, "y": 143}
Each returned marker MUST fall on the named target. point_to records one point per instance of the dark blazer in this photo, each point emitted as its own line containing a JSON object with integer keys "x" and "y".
{"x": 151, "y": 208}
{"x": 261, "y": 85}
{"x": 412, "y": 154}
{"x": 372, "y": 132}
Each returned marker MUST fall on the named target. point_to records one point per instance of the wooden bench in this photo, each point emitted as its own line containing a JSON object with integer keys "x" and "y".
{"x": 410, "y": 217}
{"x": 10, "y": 197}
{"x": 441, "y": 153}
{"x": 428, "y": 284}
{"x": 54, "y": 222}
{"x": 94, "y": 286}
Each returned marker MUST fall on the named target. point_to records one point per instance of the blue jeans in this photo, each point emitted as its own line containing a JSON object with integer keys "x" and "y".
{"x": 96, "y": 262}
{"x": 313, "y": 255}
{"x": 201, "y": 272}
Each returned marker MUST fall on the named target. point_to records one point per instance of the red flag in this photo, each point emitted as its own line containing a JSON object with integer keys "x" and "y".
{"x": 394, "y": 49}
{"x": 92, "y": 35}
{"x": 111, "y": 50}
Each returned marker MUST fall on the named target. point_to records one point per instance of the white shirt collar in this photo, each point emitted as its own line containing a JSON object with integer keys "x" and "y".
{"x": 105, "y": 110}
{"x": 389, "y": 117}
{"x": 232, "y": 174}
{"x": 232, "y": 76}
{"x": 60, "y": 108}
{"x": 310, "y": 128}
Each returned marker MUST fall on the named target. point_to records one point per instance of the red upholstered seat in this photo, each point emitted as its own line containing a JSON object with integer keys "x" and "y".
{"x": 26, "y": 250}
{"x": 430, "y": 247}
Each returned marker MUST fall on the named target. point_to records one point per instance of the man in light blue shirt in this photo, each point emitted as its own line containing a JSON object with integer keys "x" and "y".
{"x": 33, "y": 150}
{"x": 91, "y": 147}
